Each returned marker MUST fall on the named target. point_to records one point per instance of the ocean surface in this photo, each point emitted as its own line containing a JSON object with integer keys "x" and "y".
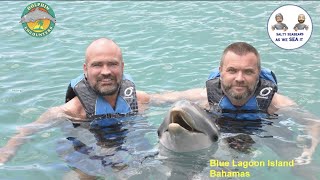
{"x": 167, "y": 46}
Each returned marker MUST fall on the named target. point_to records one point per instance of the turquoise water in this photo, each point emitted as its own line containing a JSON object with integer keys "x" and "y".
{"x": 166, "y": 46}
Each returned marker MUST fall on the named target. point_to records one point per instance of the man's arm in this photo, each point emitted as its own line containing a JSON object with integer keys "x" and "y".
{"x": 45, "y": 120}
{"x": 279, "y": 101}
{"x": 198, "y": 95}
{"x": 284, "y": 105}
{"x": 52, "y": 116}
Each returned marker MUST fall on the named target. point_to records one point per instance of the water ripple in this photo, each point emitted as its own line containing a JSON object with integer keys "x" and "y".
{"x": 166, "y": 46}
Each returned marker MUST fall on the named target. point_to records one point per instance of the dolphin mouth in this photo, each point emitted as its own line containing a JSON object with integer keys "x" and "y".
{"x": 183, "y": 119}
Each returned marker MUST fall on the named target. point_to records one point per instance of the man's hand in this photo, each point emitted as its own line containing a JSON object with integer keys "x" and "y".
{"x": 305, "y": 157}
{"x": 314, "y": 130}
{"x": 46, "y": 120}
{"x": 6, "y": 154}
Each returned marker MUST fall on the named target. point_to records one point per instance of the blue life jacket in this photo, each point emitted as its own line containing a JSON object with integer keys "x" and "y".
{"x": 255, "y": 108}
{"x": 96, "y": 106}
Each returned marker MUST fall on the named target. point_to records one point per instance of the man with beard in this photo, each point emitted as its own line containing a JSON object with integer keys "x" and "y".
{"x": 241, "y": 90}
{"x": 103, "y": 90}
{"x": 238, "y": 86}
{"x": 301, "y": 25}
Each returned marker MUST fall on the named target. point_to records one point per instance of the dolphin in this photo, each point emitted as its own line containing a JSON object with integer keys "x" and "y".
{"x": 187, "y": 128}
{"x": 36, "y": 15}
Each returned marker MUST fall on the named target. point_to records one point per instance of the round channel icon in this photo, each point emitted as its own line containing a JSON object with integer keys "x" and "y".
{"x": 38, "y": 19}
{"x": 289, "y": 27}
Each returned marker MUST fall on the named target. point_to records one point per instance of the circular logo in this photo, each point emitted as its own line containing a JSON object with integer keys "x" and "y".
{"x": 265, "y": 91}
{"x": 289, "y": 27}
{"x": 128, "y": 92}
{"x": 38, "y": 19}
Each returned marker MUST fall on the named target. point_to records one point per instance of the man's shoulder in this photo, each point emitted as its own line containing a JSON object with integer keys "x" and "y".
{"x": 280, "y": 101}
{"x": 74, "y": 108}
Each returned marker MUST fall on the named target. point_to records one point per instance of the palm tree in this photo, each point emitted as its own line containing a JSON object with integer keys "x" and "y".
{"x": 40, "y": 22}
{"x": 39, "y": 25}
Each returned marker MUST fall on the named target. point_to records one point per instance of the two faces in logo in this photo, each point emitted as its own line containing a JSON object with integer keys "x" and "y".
{"x": 281, "y": 26}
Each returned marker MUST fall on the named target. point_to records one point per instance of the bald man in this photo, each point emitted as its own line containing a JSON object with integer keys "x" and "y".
{"x": 103, "y": 90}
{"x": 301, "y": 25}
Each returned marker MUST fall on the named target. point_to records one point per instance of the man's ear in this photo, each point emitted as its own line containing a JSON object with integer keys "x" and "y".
{"x": 220, "y": 69}
{"x": 85, "y": 70}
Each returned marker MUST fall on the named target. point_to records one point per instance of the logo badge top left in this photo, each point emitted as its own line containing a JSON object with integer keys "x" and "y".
{"x": 38, "y": 19}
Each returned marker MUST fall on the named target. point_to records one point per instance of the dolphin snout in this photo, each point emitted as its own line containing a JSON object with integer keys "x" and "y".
{"x": 187, "y": 128}
{"x": 181, "y": 119}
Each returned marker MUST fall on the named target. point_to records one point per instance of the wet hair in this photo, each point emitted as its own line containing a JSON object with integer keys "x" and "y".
{"x": 279, "y": 15}
{"x": 241, "y": 49}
